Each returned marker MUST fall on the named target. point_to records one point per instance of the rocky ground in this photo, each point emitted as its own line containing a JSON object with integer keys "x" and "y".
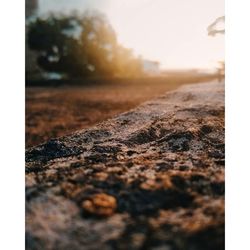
{"x": 53, "y": 112}
{"x": 151, "y": 178}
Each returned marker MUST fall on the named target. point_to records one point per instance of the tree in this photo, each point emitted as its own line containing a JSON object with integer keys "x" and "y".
{"x": 81, "y": 46}
{"x": 212, "y": 28}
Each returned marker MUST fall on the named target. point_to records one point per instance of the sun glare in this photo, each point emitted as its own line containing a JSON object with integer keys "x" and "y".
{"x": 172, "y": 32}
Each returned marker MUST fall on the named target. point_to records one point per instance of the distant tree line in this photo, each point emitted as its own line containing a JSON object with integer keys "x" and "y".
{"x": 81, "y": 46}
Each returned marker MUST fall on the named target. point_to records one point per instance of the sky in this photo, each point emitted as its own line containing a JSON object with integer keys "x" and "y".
{"x": 173, "y": 32}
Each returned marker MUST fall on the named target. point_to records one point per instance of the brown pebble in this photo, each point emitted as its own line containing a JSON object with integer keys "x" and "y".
{"x": 120, "y": 157}
{"x": 100, "y": 204}
{"x": 101, "y": 176}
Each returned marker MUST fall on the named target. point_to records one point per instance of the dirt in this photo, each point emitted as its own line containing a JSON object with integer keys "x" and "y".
{"x": 150, "y": 178}
{"x": 56, "y": 111}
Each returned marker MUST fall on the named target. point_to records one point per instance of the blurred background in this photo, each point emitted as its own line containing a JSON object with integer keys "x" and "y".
{"x": 88, "y": 60}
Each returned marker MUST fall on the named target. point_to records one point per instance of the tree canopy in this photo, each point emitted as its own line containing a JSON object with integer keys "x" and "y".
{"x": 213, "y": 30}
{"x": 81, "y": 46}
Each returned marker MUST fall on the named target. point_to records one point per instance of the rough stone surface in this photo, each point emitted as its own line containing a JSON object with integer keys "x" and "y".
{"x": 151, "y": 178}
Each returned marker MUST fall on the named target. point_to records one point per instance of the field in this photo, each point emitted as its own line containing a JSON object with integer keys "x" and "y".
{"x": 56, "y": 111}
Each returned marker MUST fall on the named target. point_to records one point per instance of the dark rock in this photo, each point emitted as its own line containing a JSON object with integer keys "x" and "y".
{"x": 179, "y": 141}
{"x": 51, "y": 150}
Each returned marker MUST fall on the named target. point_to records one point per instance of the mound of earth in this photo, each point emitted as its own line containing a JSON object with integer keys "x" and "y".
{"x": 151, "y": 178}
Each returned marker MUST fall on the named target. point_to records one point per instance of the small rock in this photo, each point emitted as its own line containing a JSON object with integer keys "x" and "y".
{"x": 183, "y": 167}
{"x": 101, "y": 176}
{"x": 100, "y": 204}
{"x": 131, "y": 152}
{"x": 206, "y": 129}
{"x": 120, "y": 157}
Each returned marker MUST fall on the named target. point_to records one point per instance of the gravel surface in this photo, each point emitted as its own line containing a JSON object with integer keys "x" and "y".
{"x": 151, "y": 178}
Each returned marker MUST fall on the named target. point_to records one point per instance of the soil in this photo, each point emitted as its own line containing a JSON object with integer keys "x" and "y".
{"x": 150, "y": 178}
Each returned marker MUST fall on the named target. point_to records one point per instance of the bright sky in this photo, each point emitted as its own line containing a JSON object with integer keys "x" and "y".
{"x": 172, "y": 32}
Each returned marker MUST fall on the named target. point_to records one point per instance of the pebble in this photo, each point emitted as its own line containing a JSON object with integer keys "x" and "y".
{"x": 100, "y": 204}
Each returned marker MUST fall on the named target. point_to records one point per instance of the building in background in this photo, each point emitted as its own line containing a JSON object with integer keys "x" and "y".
{"x": 151, "y": 67}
